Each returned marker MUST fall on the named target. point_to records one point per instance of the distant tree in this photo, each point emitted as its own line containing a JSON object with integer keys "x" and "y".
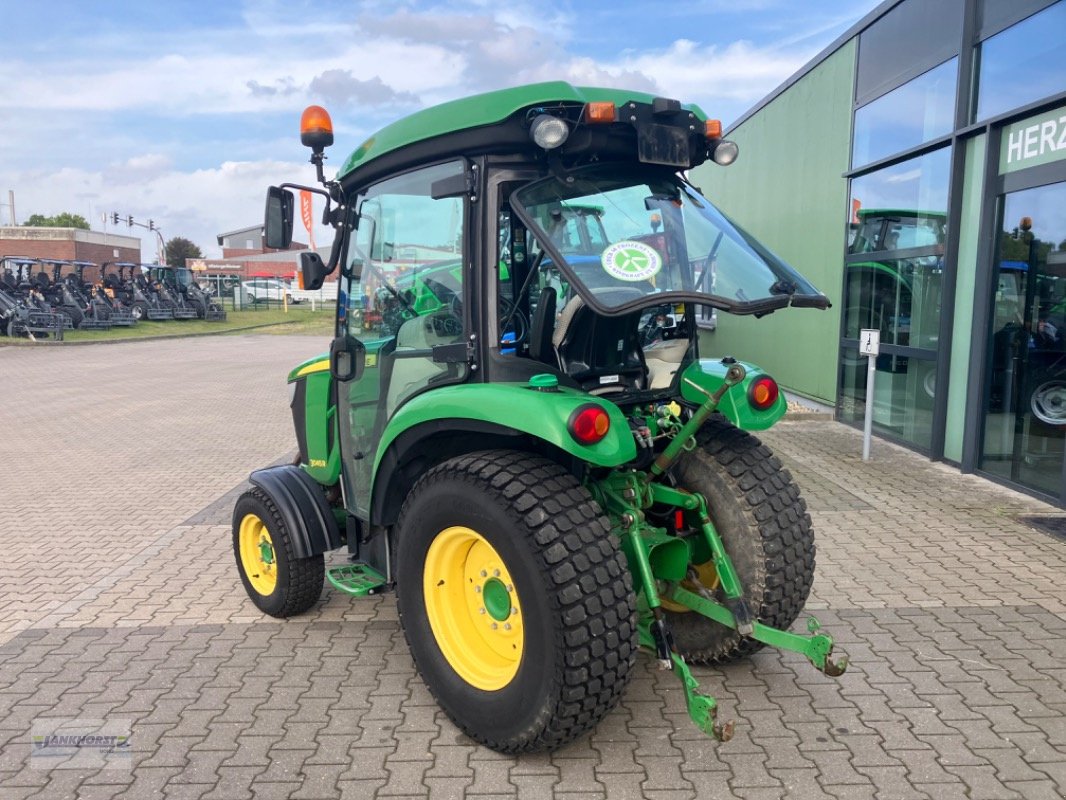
{"x": 64, "y": 220}
{"x": 178, "y": 249}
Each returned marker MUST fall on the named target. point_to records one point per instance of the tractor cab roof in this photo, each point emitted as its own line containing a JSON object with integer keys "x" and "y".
{"x": 499, "y": 122}
{"x": 20, "y": 260}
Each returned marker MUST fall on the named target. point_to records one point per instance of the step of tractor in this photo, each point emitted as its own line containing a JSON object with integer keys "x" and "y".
{"x": 359, "y": 579}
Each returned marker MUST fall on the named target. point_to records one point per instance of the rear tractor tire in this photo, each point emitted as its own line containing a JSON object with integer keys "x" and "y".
{"x": 279, "y": 583}
{"x": 763, "y": 522}
{"x": 515, "y": 600}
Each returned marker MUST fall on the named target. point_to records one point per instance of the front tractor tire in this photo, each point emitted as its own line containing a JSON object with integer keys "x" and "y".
{"x": 515, "y": 600}
{"x": 279, "y": 583}
{"x": 763, "y": 522}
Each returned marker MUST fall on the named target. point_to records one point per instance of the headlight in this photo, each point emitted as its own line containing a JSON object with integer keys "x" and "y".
{"x": 725, "y": 153}
{"x": 549, "y": 132}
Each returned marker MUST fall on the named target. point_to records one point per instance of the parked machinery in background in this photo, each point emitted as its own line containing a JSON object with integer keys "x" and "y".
{"x": 187, "y": 292}
{"x": 170, "y": 296}
{"x": 62, "y": 297}
{"x": 24, "y": 311}
{"x": 103, "y": 299}
{"x": 159, "y": 308}
{"x": 120, "y": 278}
{"x": 96, "y": 314}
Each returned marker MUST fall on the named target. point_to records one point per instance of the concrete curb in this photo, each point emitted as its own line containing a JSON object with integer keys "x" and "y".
{"x": 53, "y": 343}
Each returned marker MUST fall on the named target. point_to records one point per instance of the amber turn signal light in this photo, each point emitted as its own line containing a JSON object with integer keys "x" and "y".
{"x": 600, "y": 112}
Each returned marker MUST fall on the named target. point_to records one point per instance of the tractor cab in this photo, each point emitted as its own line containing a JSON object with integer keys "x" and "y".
{"x": 514, "y": 427}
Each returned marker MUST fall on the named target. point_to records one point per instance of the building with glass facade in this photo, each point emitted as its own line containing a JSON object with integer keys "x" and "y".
{"x": 915, "y": 171}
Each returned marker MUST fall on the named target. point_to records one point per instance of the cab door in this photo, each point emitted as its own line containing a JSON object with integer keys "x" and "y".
{"x": 402, "y": 297}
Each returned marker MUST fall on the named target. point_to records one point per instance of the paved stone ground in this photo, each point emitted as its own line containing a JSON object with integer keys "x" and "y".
{"x": 119, "y": 601}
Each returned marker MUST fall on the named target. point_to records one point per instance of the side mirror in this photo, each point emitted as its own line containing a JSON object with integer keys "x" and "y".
{"x": 277, "y": 222}
{"x": 347, "y": 358}
{"x": 313, "y": 271}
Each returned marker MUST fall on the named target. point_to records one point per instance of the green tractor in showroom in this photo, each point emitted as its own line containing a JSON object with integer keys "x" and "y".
{"x": 521, "y": 438}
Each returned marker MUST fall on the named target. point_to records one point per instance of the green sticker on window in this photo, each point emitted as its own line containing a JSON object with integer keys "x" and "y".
{"x": 631, "y": 261}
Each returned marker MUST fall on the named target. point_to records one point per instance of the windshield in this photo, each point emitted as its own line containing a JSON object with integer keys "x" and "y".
{"x": 647, "y": 237}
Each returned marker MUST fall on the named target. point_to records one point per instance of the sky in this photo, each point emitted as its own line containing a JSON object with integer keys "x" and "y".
{"x": 183, "y": 112}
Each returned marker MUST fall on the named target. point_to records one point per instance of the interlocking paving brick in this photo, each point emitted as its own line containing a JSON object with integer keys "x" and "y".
{"x": 952, "y": 614}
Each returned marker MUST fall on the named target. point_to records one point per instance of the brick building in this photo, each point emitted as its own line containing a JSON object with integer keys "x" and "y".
{"x": 243, "y": 254}
{"x": 68, "y": 244}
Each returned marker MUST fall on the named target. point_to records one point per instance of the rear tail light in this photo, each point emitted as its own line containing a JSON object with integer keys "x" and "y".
{"x": 763, "y": 393}
{"x": 588, "y": 424}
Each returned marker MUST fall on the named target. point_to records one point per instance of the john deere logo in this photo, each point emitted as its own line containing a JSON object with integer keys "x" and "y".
{"x": 631, "y": 261}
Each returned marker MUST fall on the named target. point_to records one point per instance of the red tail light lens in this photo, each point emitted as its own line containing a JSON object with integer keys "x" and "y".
{"x": 589, "y": 424}
{"x": 763, "y": 393}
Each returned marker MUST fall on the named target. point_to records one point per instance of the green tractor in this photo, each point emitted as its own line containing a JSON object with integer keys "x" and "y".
{"x": 520, "y": 438}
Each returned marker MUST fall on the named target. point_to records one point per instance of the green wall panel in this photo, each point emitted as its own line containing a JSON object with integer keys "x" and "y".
{"x": 789, "y": 192}
{"x": 965, "y": 286}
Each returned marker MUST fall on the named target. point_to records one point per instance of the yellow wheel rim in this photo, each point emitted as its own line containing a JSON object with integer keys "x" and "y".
{"x": 257, "y": 555}
{"x": 707, "y": 575}
{"x": 473, "y": 608}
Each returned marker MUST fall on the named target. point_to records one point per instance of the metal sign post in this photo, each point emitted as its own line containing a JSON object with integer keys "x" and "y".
{"x": 869, "y": 346}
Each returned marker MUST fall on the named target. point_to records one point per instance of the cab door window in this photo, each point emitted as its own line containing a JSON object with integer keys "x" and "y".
{"x": 402, "y": 296}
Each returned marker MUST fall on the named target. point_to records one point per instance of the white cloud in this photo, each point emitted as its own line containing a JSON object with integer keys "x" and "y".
{"x": 339, "y": 87}
{"x": 197, "y": 205}
{"x": 181, "y": 129}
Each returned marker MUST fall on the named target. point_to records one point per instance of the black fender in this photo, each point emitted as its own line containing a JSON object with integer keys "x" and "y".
{"x": 301, "y": 501}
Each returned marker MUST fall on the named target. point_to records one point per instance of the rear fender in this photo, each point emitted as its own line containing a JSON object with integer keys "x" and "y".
{"x": 501, "y": 415}
{"x": 709, "y": 375}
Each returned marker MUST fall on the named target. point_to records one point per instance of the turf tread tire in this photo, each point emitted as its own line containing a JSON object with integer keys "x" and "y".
{"x": 587, "y": 585}
{"x": 300, "y": 580}
{"x": 763, "y": 521}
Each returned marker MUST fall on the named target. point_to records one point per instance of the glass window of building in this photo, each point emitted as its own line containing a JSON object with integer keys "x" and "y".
{"x": 905, "y": 42}
{"x": 892, "y": 283}
{"x": 916, "y": 112}
{"x": 1022, "y": 64}
{"x": 1025, "y": 399}
{"x": 919, "y": 185}
{"x": 995, "y": 15}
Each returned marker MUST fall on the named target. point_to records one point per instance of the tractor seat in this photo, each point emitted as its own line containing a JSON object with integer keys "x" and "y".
{"x": 603, "y": 354}
{"x": 42, "y": 281}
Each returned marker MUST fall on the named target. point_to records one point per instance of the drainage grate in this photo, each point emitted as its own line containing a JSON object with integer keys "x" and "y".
{"x": 1054, "y": 526}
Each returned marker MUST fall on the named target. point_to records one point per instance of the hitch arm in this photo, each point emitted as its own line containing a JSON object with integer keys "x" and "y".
{"x": 734, "y": 375}
{"x": 702, "y": 708}
{"x": 817, "y": 648}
